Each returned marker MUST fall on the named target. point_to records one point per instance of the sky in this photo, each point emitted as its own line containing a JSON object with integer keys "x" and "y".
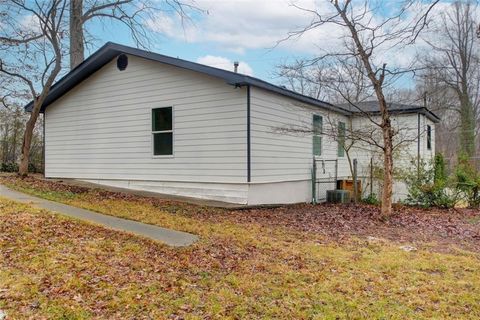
{"x": 251, "y": 32}
{"x": 247, "y": 31}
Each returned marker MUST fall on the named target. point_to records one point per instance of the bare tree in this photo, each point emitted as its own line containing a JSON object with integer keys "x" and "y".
{"x": 325, "y": 80}
{"x": 303, "y": 78}
{"x": 366, "y": 40}
{"x": 129, "y": 13}
{"x": 439, "y": 98}
{"x": 32, "y": 54}
{"x": 456, "y": 62}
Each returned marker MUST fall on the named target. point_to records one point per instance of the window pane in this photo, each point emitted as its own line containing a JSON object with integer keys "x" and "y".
{"x": 162, "y": 144}
{"x": 317, "y": 145}
{"x": 317, "y": 124}
{"x": 162, "y": 119}
{"x": 341, "y": 139}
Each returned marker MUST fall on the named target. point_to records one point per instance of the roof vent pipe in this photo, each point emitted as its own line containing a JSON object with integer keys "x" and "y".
{"x": 235, "y": 66}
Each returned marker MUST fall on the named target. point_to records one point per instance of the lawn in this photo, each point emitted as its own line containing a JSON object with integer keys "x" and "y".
{"x": 295, "y": 262}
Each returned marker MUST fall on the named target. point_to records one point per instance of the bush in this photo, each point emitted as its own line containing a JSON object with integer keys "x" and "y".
{"x": 468, "y": 181}
{"x": 13, "y": 167}
{"x": 371, "y": 199}
{"x": 9, "y": 167}
{"x": 429, "y": 186}
{"x": 33, "y": 168}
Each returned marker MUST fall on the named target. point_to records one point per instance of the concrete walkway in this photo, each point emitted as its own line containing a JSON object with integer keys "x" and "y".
{"x": 167, "y": 236}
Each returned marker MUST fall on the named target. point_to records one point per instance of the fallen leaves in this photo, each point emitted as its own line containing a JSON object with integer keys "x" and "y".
{"x": 292, "y": 262}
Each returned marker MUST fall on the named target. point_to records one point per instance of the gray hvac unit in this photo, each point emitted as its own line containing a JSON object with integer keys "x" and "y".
{"x": 338, "y": 196}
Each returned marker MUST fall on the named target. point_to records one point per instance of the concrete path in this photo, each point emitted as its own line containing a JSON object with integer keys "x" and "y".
{"x": 167, "y": 236}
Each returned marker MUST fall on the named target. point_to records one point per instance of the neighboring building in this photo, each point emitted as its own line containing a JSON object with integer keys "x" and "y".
{"x": 135, "y": 119}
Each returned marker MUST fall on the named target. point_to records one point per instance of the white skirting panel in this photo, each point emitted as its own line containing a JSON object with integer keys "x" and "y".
{"x": 280, "y": 192}
{"x": 284, "y": 192}
{"x": 237, "y": 193}
{"x": 226, "y": 192}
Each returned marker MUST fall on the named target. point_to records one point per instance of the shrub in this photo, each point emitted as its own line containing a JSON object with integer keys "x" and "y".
{"x": 439, "y": 171}
{"x": 468, "y": 181}
{"x": 9, "y": 167}
{"x": 13, "y": 167}
{"x": 429, "y": 186}
{"x": 371, "y": 199}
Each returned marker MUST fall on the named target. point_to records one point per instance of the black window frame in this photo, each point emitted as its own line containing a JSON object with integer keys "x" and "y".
{"x": 317, "y": 134}
{"x": 168, "y": 131}
{"x": 429, "y": 137}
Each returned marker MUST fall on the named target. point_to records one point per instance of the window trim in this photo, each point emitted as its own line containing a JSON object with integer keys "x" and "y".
{"x": 315, "y": 134}
{"x": 152, "y": 133}
{"x": 429, "y": 137}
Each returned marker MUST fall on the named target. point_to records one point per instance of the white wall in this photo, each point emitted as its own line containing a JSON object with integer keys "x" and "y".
{"x": 101, "y": 129}
{"x": 280, "y": 151}
{"x": 406, "y": 155}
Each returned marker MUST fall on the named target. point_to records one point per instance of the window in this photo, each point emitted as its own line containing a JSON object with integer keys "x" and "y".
{"x": 341, "y": 139}
{"x": 162, "y": 131}
{"x": 317, "y": 132}
{"x": 429, "y": 137}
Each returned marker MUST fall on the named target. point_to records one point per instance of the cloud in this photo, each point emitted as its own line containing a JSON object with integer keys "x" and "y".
{"x": 225, "y": 63}
{"x": 242, "y": 25}
{"x": 29, "y": 24}
{"x": 162, "y": 24}
{"x": 250, "y": 24}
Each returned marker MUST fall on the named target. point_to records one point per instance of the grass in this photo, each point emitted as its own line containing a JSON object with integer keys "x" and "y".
{"x": 59, "y": 268}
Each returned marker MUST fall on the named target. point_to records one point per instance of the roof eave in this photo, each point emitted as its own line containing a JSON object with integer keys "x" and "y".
{"x": 70, "y": 76}
{"x": 421, "y": 110}
{"x": 110, "y": 50}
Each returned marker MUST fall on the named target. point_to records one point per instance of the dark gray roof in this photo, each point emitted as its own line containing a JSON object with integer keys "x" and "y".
{"x": 372, "y": 107}
{"x": 110, "y": 50}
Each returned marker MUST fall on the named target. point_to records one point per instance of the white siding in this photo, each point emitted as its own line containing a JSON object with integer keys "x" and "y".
{"x": 101, "y": 129}
{"x": 404, "y": 157}
{"x": 101, "y": 132}
{"x": 279, "y": 150}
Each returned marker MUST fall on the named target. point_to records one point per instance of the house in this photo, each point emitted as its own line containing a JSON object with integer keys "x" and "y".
{"x": 140, "y": 120}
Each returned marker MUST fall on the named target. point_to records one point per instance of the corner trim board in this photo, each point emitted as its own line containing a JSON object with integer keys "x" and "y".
{"x": 249, "y": 162}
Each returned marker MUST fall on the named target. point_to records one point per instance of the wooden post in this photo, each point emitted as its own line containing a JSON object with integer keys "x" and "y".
{"x": 355, "y": 186}
{"x": 314, "y": 182}
{"x": 371, "y": 176}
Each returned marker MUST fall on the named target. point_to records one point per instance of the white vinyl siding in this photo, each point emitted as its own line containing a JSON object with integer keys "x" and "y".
{"x": 280, "y": 150}
{"x": 406, "y": 153}
{"x": 101, "y": 131}
{"x": 102, "y": 128}
{"x": 317, "y": 126}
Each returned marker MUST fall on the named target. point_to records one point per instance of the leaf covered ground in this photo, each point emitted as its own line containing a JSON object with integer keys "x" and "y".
{"x": 293, "y": 262}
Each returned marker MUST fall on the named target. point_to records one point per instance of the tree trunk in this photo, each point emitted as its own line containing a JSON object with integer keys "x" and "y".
{"x": 5, "y": 143}
{"x": 27, "y": 139}
{"x": 467, "y": 126}
{"x": 77, "y": 51}
{"x": 16, "y": 123}
{"x": 387, "y": 132}
{"x": 387, "y": 191}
